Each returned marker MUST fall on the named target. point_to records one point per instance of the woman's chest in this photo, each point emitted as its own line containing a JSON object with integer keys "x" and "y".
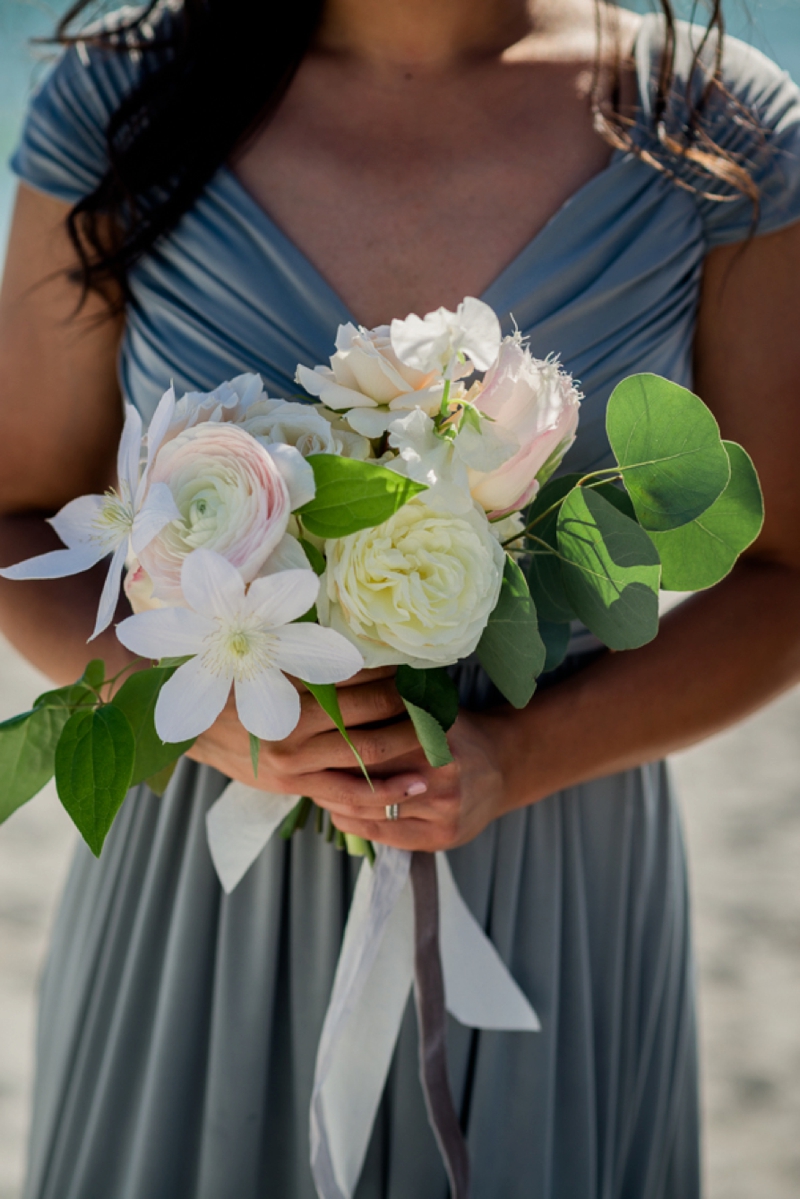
{"x": 411, "y": 195}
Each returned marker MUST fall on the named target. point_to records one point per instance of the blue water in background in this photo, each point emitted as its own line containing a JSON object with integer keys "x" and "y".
{"x": 771, "y": 25}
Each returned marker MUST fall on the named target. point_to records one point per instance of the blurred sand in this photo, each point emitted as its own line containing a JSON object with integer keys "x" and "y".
{"x": 741, "y": 797}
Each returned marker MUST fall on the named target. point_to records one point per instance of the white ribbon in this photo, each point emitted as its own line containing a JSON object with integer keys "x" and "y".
{"x": 373, "y": 980}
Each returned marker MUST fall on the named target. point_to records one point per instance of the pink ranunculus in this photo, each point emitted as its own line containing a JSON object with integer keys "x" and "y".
{"x": 537, "y": 402}
{"x": 232, "y": 499}
{"x": 138, "y": 587}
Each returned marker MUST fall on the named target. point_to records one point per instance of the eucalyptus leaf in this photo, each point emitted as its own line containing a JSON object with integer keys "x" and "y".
{"x": 27, "y": 755}
{"x": 327, "y": 697}
{"x": 611, "y": 570}
{"x": 510, "y": 650}
{"x": 94, "y": 766}
{"x": 430, "y": 735}
{"x": 668, "y": 443}
{"x": 542, "y": 565}
{"x": 699, "y": 554}
{"x": 137, "y": 699}
{"x": 353, "y": 495}
{"x": 556, "y": 642}
{"x": 433, "y": 690}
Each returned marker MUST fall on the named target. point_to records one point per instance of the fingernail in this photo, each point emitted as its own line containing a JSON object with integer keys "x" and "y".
{"x": 417, "y": 789}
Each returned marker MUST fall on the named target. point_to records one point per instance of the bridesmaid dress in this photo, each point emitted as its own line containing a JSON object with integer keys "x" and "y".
{"x": 178, "y": 1026}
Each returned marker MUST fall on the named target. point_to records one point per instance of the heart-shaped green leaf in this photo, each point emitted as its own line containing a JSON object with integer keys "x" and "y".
{"x": 94, "y": 765}
{"x": 28, "y": 755}
{"x": 668, "y": 443}
{"x": 137, "y": 699}
{"x": 353, "y": 495}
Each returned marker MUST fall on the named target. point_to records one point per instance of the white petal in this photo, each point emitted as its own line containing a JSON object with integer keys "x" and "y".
{"x": 159, "y": 423}
{"x": 58, "y": 564}
{"x": 312, "y": 381}
{"x": 370, "y": 422}
{"x": 211, "y": 585}
{"x": 268, "y": 705}
{"x": 282, "y": 597}
{"x": 190, "y": 701}
{"x": 297, "y": 474}
{"x": 75, "y": 523}
{"x": 287, "y": 555}
{"x": 130, "y": 450}
{"x": 487, "y": 450}
{"x": 164, "y": 633}
{"x": 110, "y": 594}
{"x": 316, "y": 655}
{"x": 422, "y": 342}
{"x": 480, "y": 332}
{"x": 158, "y": 510}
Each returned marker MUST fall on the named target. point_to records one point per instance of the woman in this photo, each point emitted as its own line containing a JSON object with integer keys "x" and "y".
{"x": 274, "y": 173}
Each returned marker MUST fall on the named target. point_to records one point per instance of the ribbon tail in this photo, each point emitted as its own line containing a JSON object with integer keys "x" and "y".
{"x": 479, "y": 990}
{"x": 239, "y": 825}
{"x": 432, "y": 1019}
{"x": 362, "y": 1023}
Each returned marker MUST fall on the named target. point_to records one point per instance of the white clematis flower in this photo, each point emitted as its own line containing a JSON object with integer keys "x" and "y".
{"x": 443, "y": 340}
{"x": 241, "y": 639}
{"x": 442, "y": 463}
{"x": 94, "y": 526}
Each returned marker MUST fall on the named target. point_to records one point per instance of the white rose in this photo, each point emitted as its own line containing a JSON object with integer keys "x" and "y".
{"x": 418, "y": 589}
{"x": 307, "y": 427}
{"x": 366, "y": 377}
{"x": 538, "y": 403}
{"x": 228, "y": 402}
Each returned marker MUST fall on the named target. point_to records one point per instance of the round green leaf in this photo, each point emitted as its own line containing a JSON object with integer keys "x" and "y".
{"x": 611, "y": 570}
{"x": 701, "y": 553}
{"x": 94, "y": 765}
{"x": 668, "y": 443}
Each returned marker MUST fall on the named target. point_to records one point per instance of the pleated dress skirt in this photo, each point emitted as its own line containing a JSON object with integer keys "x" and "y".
{"x": 178, "y": 1026}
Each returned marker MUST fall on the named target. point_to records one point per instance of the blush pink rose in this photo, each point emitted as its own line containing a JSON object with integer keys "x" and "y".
{"x": 537, "y": 402}
{"x": 232, "y": 499}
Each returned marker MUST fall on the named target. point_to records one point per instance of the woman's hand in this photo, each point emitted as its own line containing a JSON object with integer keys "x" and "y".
{"x": 315, "y": 760}
{"x": 458, "y": 800}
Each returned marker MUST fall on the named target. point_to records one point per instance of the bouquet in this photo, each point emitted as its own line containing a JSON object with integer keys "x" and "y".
{"x": 407, "y": 512}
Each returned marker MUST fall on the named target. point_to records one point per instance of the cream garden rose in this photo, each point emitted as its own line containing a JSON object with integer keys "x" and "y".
{"x": 367, "y": 378}
{"x": 418, "y": 589}
{"x": 232, "y": 497}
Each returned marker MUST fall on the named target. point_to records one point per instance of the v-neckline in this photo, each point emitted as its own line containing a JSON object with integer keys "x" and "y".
{"x": 260, "y": 216}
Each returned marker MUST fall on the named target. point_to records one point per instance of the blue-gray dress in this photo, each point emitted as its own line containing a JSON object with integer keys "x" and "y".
{"x": 179, "y": 1027}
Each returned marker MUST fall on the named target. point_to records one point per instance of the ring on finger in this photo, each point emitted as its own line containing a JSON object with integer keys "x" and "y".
{"x": 393, "y": 811}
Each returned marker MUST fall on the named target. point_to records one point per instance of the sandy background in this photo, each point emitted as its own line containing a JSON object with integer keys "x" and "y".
{"x": 741, "y": 799}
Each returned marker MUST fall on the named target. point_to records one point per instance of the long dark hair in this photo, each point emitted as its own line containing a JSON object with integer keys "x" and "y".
{"x": 214, "y": 70}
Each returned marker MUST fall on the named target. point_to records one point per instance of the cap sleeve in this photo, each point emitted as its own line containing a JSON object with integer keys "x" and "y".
{"x": 754, "y": 118}
{"x": 62, "y": 148}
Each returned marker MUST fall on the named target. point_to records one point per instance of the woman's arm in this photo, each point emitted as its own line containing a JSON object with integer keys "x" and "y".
{"x": 60, "y": 420}
{"x": 717, "y": 657}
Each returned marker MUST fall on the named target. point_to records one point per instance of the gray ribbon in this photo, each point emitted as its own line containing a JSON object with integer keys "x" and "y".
{"x": 432, "y": 1020}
